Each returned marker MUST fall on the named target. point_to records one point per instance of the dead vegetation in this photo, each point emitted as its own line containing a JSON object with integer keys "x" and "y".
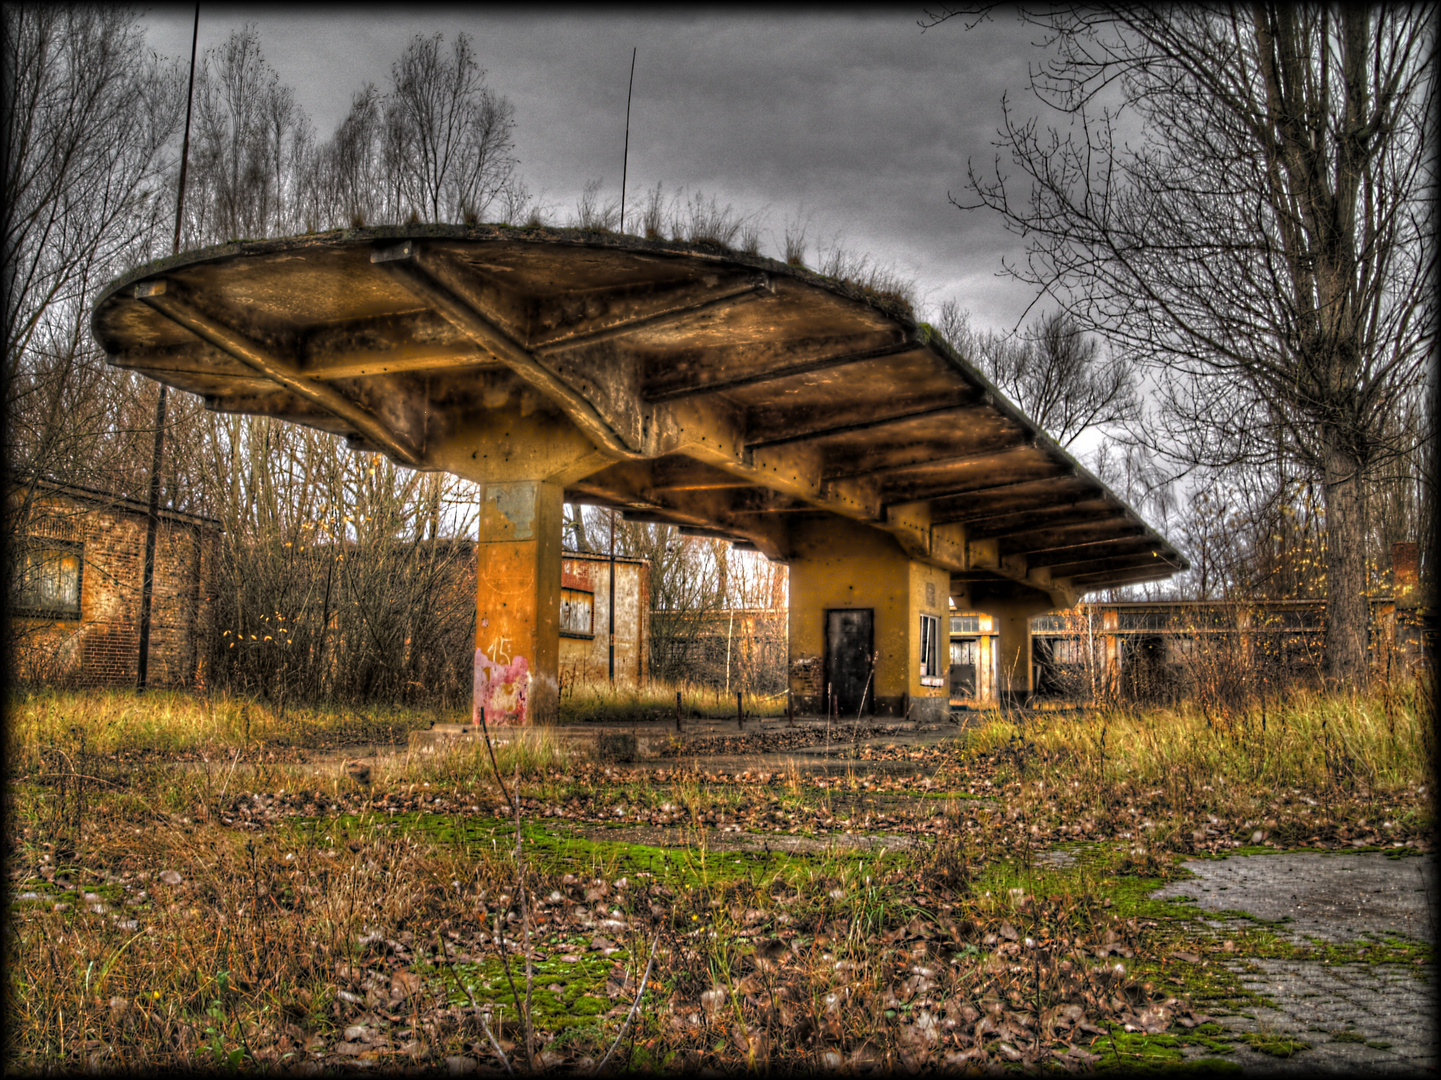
{"x": 237, "y": 912}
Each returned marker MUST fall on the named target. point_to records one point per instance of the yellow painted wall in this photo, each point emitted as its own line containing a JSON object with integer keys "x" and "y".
{"x": 842, "y": 564}
{"x": 930, "y": 588}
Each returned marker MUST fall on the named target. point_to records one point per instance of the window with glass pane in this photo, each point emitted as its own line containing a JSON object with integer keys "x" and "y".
{"x": 965, "y": 624}
{"x": 50, "y": 582}
{"x": 930, "y": 631}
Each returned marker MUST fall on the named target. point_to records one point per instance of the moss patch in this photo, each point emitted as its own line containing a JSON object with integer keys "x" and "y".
{"x": 1280, "y": 1046}
{"x": 1129, "y": 1051}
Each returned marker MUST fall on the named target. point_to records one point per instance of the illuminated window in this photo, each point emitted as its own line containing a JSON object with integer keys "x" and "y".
{"x": 930, "y": 631}
{"x": 965, "y": 624}
{"x": 48, "y": 582}
{"x": 577, "y": 613}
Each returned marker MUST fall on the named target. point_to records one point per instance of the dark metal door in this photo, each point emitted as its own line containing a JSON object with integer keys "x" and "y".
{"x": 848, "y": 661}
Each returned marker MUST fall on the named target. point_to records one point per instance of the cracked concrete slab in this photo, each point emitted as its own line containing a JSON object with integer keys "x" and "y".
{"x": 1358, "y": 1018}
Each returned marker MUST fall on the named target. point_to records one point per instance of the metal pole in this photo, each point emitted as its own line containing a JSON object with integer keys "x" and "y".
{"x": 625, "y": 161}
{"x": 611, "y": 635}
{"x": 152, "y": 522}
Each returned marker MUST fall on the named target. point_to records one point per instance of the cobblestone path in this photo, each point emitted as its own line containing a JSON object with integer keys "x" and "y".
{"x": 1359, "y": 1019}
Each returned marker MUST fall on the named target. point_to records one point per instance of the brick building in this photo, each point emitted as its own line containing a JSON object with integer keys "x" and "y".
{"x": 585, "y": 618}
{"x": 76, "y": 564}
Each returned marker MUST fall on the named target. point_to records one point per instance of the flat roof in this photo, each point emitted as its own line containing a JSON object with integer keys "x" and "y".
{"x": 110, "y": 499}
{"x": 818, "y": 398}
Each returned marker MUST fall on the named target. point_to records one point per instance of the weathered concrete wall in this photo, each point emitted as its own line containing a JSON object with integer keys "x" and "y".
{"x": 100, "y": 648}
{"x": 930, "y": 693}
{"x": 839, "y": 564}
{"x": 586, "y": 657}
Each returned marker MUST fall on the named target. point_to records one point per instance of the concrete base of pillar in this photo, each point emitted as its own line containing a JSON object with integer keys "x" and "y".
{"x": 930, "y": 710}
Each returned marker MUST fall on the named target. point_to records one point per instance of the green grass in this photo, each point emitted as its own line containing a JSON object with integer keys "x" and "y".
{"x": 1132, "y": 1052}
{"x": 1276, "y": 1045}
{"x": 563, "y": 849}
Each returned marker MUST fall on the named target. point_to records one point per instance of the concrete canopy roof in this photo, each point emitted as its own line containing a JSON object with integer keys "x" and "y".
{"x": 724, "y": 393}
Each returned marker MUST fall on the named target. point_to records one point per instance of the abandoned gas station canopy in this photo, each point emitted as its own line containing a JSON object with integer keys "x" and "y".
{"x": 724, "y": 393}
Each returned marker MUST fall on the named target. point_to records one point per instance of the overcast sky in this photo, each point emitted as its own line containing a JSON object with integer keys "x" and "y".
{"x": 859, "y": 122}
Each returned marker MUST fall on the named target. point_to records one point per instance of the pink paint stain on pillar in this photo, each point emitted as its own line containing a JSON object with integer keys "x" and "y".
{"x": 500, "y": 689}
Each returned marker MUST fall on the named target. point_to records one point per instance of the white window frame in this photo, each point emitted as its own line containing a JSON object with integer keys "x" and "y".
{"x": 930, "y": 649}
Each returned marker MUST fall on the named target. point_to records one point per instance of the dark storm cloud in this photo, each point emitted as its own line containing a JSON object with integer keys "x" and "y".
{"x": 860, "y": 123}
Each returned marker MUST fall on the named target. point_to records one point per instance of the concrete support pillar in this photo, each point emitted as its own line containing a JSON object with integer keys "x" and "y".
{"x": 1013, "y": 665}
{"x": 855, "y": 625}
{"x": 1110, "y": 624}
{"x": 521, "y": 456}
{"x": 517, "y": 602}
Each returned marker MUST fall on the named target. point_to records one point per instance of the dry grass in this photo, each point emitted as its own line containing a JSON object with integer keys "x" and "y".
{"x": 236, "y": 912}
{"x": 623, "y": 702}
{"x": 172, "y": 722}
{"x": 1378, "y": 742}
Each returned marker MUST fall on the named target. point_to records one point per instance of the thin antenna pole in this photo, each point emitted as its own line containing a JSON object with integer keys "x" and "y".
{"x": 152, "y": 521}
{"x": 185, "y": 144}
{"x": 625, "y": 161}
{"x": 611, "y": 635}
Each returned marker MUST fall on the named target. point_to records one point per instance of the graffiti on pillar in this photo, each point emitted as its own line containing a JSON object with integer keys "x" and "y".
{"x": 502, "y": 685}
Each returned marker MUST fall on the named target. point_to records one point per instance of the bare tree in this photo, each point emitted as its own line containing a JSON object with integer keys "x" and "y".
{"x": 248, "y": 148}
{"x": 1130, "y": 470}
{"x": 345, "y": 185}
{"x": 1261, "y": 239}
{"x": 1053, "y": 370}
{"x": 341, "y": 576}
{"x": 89, "y": 116}
{"x": 448, "y": 136}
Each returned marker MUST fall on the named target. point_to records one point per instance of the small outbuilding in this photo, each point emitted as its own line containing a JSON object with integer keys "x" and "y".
{"x": 585, "y": 627}
{"x": 76, "y": 564}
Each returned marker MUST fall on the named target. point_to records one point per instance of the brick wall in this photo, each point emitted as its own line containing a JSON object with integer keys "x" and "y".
{"x": 101, "y": 647}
